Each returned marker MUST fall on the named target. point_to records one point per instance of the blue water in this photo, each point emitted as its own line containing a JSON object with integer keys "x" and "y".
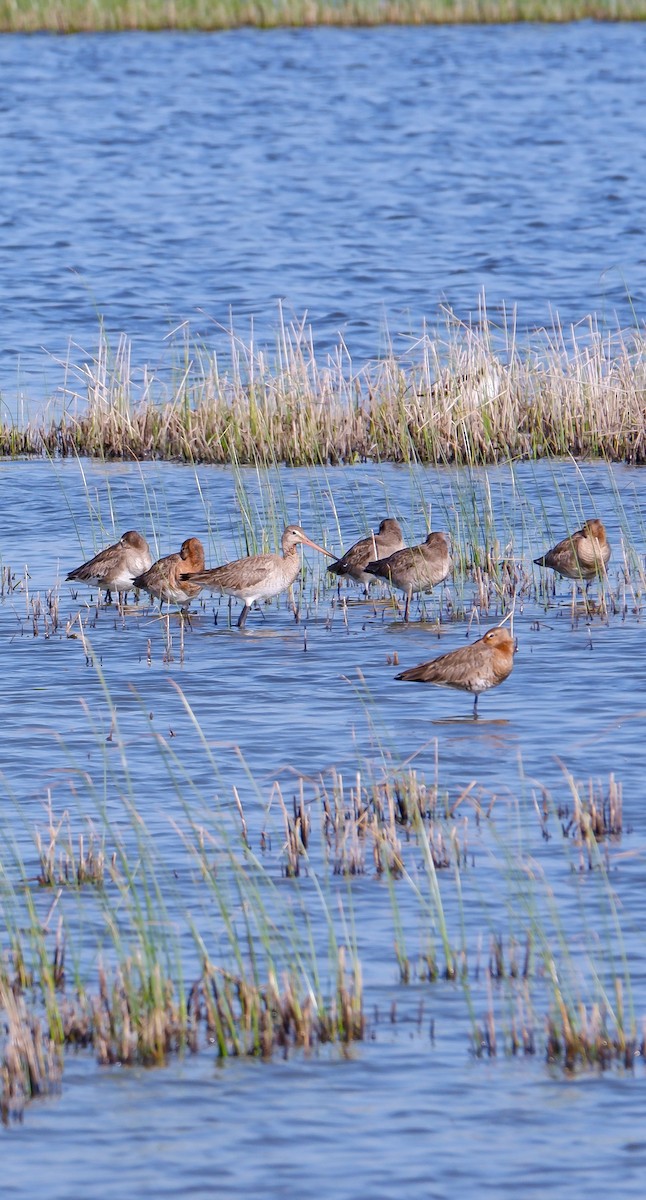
{"x": 366, "y": 177}
{"x": 403, "y": 1108}
{"x": 363, "y": 177}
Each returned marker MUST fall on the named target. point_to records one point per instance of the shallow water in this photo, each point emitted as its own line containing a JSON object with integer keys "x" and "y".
{"x": 400, "y": 1116}
{"x": 414, "y": 1111}
{"x": 363, "y": 176}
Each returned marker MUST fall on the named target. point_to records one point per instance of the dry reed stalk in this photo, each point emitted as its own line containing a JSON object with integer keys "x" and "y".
{"x": 574, "y": 1039}
{"x": 457, "y": 402}
{"x": 31, "y": 1064}
{"x": 596, "y": 814}
{"x": 586, "y": 1037}
{"x": 135, "y": 1016}
{"x": 246, "y": 1018}
{"x": 377, "y": 814}
{"x": 64, "y": 864}
{"x": 297, "y": 831}
{"x": 593, "y": 814}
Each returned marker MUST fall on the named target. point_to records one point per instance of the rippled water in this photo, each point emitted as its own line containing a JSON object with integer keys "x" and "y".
{"x": 404, "y": 1110}
{"x": 364, "y": 176}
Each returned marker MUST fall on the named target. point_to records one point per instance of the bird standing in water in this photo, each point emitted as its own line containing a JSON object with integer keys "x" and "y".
{"x": 170, "y": 577}
{"x": 117, "y": 566}
{"x": 352, "y": 564}
{"x": 415, "y": 568}
{"x": 475, "y": 669}
{"x": 260, "y": 576}
{"x": 583, "y": 555}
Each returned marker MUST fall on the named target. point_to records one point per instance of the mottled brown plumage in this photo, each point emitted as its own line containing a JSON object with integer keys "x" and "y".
{"x": 170, "y": 578}
{"x": 415, "y": 568}
{"x": 117, "y": 566}
{"x": 259, "y": 576}
{"x": 475, "y": 668}
{"x": 378, "y": 545}
{"x": 583, "y": 555}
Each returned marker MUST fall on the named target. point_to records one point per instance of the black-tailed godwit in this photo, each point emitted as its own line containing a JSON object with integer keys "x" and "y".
{"x": 116, "y": 567}
{"x": 415, "y": 568}
{"x": 352, "y": 564}
{"x": 260, "y": 576}
{"x": 475, "y": 669}
{"x": 170, "y": 577}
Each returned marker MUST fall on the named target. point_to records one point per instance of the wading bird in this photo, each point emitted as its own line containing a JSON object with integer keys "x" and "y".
{"x": 260, "y": 576}
{"x": 352, "y": 565}
{"x": 116, "y": 567}
{"x": 415, "y": 568}
{"x": 473, "y": 669}
{"x": 583, "y": 555}
{"x": 170, "y": 577}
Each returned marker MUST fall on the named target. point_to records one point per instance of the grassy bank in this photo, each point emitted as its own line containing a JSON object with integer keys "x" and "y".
{"x": 75, "y": 16}
{"x": 468, "y": 396}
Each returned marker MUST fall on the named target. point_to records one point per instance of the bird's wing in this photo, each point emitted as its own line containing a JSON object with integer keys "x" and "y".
{"x": 591, "y": 553}
{"x": 357, "y": 556}
{"x": 408, "y": 559}
{"x": 159, "y": 573}
{"x": 102, "y": 563}
{"x": 243, "y": 573}
{"x": 460, "y": 665}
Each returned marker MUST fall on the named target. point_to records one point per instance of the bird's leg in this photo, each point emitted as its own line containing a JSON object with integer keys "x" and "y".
{"x": 604, "y": 592}
{"x": 292, "y": 600}
{"x": 475, "y": 707}
{"x": 185, "y": 614}
{"x": 407, "y": 608}
{"x": 108, "y": 596}
{"x": 243, "y": 617}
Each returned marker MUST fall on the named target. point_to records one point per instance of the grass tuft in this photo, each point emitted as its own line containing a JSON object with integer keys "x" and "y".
{"x": 468, "y": 396}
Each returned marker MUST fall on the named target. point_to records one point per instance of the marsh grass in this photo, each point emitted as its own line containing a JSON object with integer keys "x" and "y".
{"x": 279, "y": 1015}
{"x": 591, "y": 1019}
{"x": 67, "y": 860}
{"x": 592, "y": 814}
{"x": 252, "y": 957}
{"x": 30, "y": 1061}
{"x": 493, "y": 519}
{"x": 497, "y": 522}
{"x": 575, "y": 1037}
{"x": 468, "y": 395}
{"x": 44, "y": 613}
{"x": 369, "y": 824}
{"x": 256, "y": 993}
{"x": 72, "y": 16}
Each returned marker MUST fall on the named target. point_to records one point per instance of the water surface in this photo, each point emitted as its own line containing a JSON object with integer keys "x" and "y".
{"x": 410, "y": 1104}
{"x": 361, "y": 176}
